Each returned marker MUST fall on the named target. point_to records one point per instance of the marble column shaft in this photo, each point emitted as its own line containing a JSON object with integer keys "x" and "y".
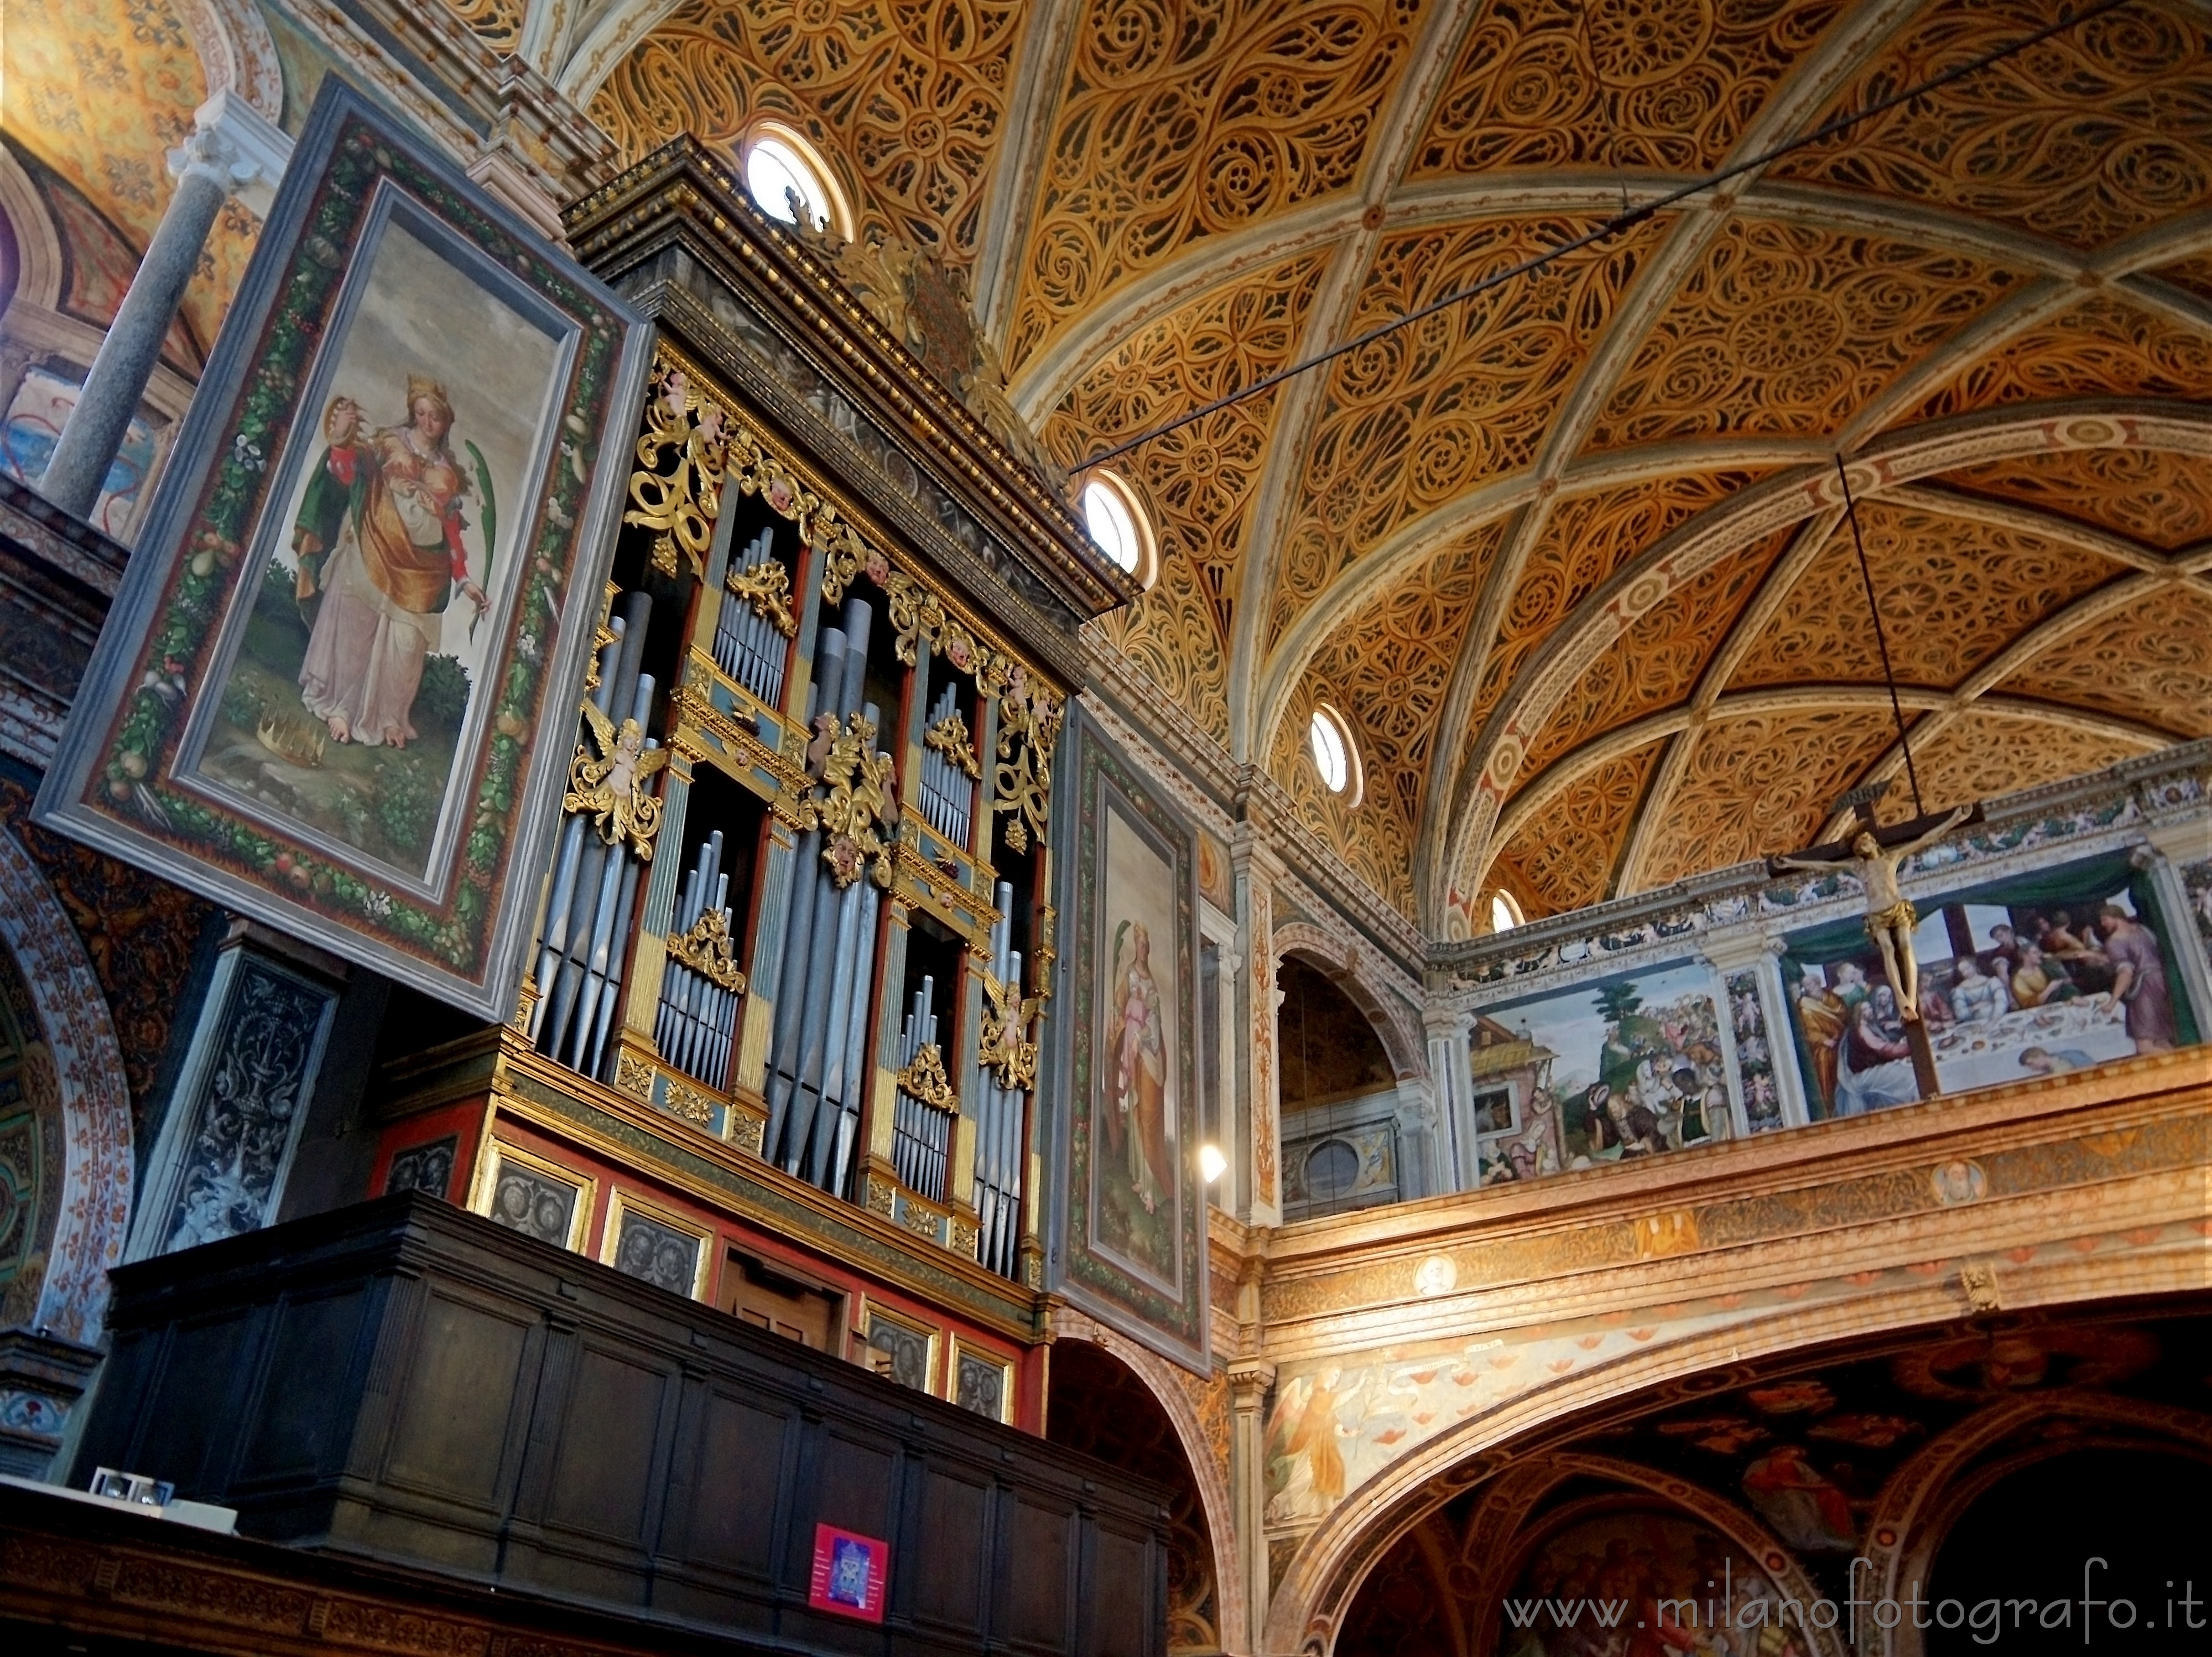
{"x": 94, "y": 430}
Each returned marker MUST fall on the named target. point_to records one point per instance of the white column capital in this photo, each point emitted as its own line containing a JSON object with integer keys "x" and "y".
{"x": 235, "y": 145}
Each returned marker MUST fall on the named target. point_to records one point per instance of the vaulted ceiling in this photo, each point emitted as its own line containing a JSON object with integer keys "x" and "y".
{"x": 1570, "y": 557}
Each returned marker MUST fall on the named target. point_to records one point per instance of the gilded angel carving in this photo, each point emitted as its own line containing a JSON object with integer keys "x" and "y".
{"x": 1007, "y": 1051}
{"x": 612, "y": 788}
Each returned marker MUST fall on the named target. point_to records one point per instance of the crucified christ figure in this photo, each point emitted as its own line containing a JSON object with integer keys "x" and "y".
{"x": 1890, "y": 916}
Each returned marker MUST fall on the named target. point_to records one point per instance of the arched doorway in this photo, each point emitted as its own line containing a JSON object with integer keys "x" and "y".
{"x": 1341, "y": 1142}
{"x": 1866, "y": 1485}
{"x": 1097, "y": 1404}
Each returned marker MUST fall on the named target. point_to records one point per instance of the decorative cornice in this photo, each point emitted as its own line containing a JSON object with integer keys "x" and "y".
{"x": 683, "y": 193}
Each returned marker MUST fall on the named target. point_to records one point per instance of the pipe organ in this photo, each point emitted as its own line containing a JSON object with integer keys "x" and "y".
{"x": 795, "y": 955}
{"x": 818, "y": 937}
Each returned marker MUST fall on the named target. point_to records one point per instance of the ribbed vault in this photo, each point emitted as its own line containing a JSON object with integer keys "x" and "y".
{"x": 1568, "y": 555}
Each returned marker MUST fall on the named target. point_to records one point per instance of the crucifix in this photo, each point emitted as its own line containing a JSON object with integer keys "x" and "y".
{"x": 1875, "y": 853}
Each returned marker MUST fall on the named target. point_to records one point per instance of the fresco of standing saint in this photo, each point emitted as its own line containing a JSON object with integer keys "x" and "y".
{"x": 389, "y": 559}
{"x": 400, "y": 560}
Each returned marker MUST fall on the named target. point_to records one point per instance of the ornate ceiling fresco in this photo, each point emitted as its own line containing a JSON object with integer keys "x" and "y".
{"x": 1568, "y": 556}
{"x": 97, "y": 93}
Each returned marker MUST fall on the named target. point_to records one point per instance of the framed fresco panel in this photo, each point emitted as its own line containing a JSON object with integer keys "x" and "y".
{"x": 646, "y": 1241}
{"x": 1131, "y": 1248}
{"x": 368, "y": 580}
{"x": 2040, "y": 973}
{"x": 1626, "y": 1067}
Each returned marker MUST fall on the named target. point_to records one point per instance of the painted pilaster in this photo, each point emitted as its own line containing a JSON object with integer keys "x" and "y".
{"x": 1259, "y": 1091}
{"x": 233, "y": 151}
{"x": 219, "y": 1167}
{"x": 1249, "y": 1382}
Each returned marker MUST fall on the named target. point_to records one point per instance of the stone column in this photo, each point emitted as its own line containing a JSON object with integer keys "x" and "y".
{"x": 1446, "y": 1030}
{"x": 1249, "y": 1379}
{"x": 233, "y": 151}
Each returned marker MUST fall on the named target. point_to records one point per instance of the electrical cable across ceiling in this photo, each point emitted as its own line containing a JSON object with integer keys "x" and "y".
{"x": 1618, "y": 225}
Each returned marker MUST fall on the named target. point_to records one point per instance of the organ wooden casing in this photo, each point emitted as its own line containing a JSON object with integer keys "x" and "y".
{"x": 796, "y": 948}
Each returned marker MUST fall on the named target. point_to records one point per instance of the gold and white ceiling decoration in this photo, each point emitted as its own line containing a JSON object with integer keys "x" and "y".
{"x": 1567, "y": 555}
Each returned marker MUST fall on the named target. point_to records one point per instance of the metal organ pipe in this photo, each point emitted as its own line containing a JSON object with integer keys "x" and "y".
{"x": 747, "y": 646}
{"x": 1000, "y": 1161}
{"x": 947, "y": 796}
{"x": 921, "y": 1133}
{"x": 791, "y": 981}
{"x": 814, "y": 1108}
{"x": 584, "y": 942}
{"x": 694, "y": 1025}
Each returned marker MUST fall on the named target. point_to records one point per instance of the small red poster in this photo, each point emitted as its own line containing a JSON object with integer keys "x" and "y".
{"x": 851, "y": 1573}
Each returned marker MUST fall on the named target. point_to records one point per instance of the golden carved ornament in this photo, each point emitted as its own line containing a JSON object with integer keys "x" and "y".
{"x": 1583, "y": 542}
{"x": 951, "y": 737}
{"x": 861, "y": 800}
{"x": 1982, "y": 754}
{"x": 497, "y": 23}
{"x": 768, "y": 590}
{"x": 1007, "y": 1051}
{"x": 1553, "y": 85}
{"x": 1029, "y": 728}
{"x": 677, "y": 488}
{"x": 610, "y": 788}
{"x": 1043, "y": 955}
{"x": 1566, "y": 855}
{"x": 688, "y": 1104}
{"x": 1375, "y": 838}
{"x": 1954, "y": 594}
{"x": 602, "y": 636}
{"x": 2155, "y": 496}
{"x": 2150, "y": 662}
{"x": 924, "y": 1080}
{"x": 633, "y": 1076}
{"x": 1425, "y": 415}
{"x": 1789, "y": 330}
{"x": 2101, "y": 131}
{"x": 912, "y": 93}
{"x": 1196, "y": 121}
{"x": 2107, "y": 346}
{"x": 709, "y": 950}
{"x": 1759, "y": 785}
{"x": 1658, "y": 659}
{"x": 1030, "y": 715}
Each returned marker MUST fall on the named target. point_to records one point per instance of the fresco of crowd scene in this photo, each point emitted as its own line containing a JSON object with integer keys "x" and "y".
{"x": 1605, "y": 1074}
{"x": 2006, "y": 992}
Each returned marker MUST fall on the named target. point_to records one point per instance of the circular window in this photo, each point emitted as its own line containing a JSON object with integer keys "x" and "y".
{"x": 789, "y": 181}
{"x": 1504, "y": 913}
{"x": 1335, "y": 755}
{"x": 1118, "y": 524}
{"x": 1332, "y": 1170}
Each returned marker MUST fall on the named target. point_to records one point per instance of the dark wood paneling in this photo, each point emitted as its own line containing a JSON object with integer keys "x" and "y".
{"x": 449, "y": 1433}
{"x": 417, "y": 1383}
{"x": 956, "y": 1512}
{"x": 315, "y": 1345}
{"x": 1036, "y": 1568}
{"x": 734, "y": 1504}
